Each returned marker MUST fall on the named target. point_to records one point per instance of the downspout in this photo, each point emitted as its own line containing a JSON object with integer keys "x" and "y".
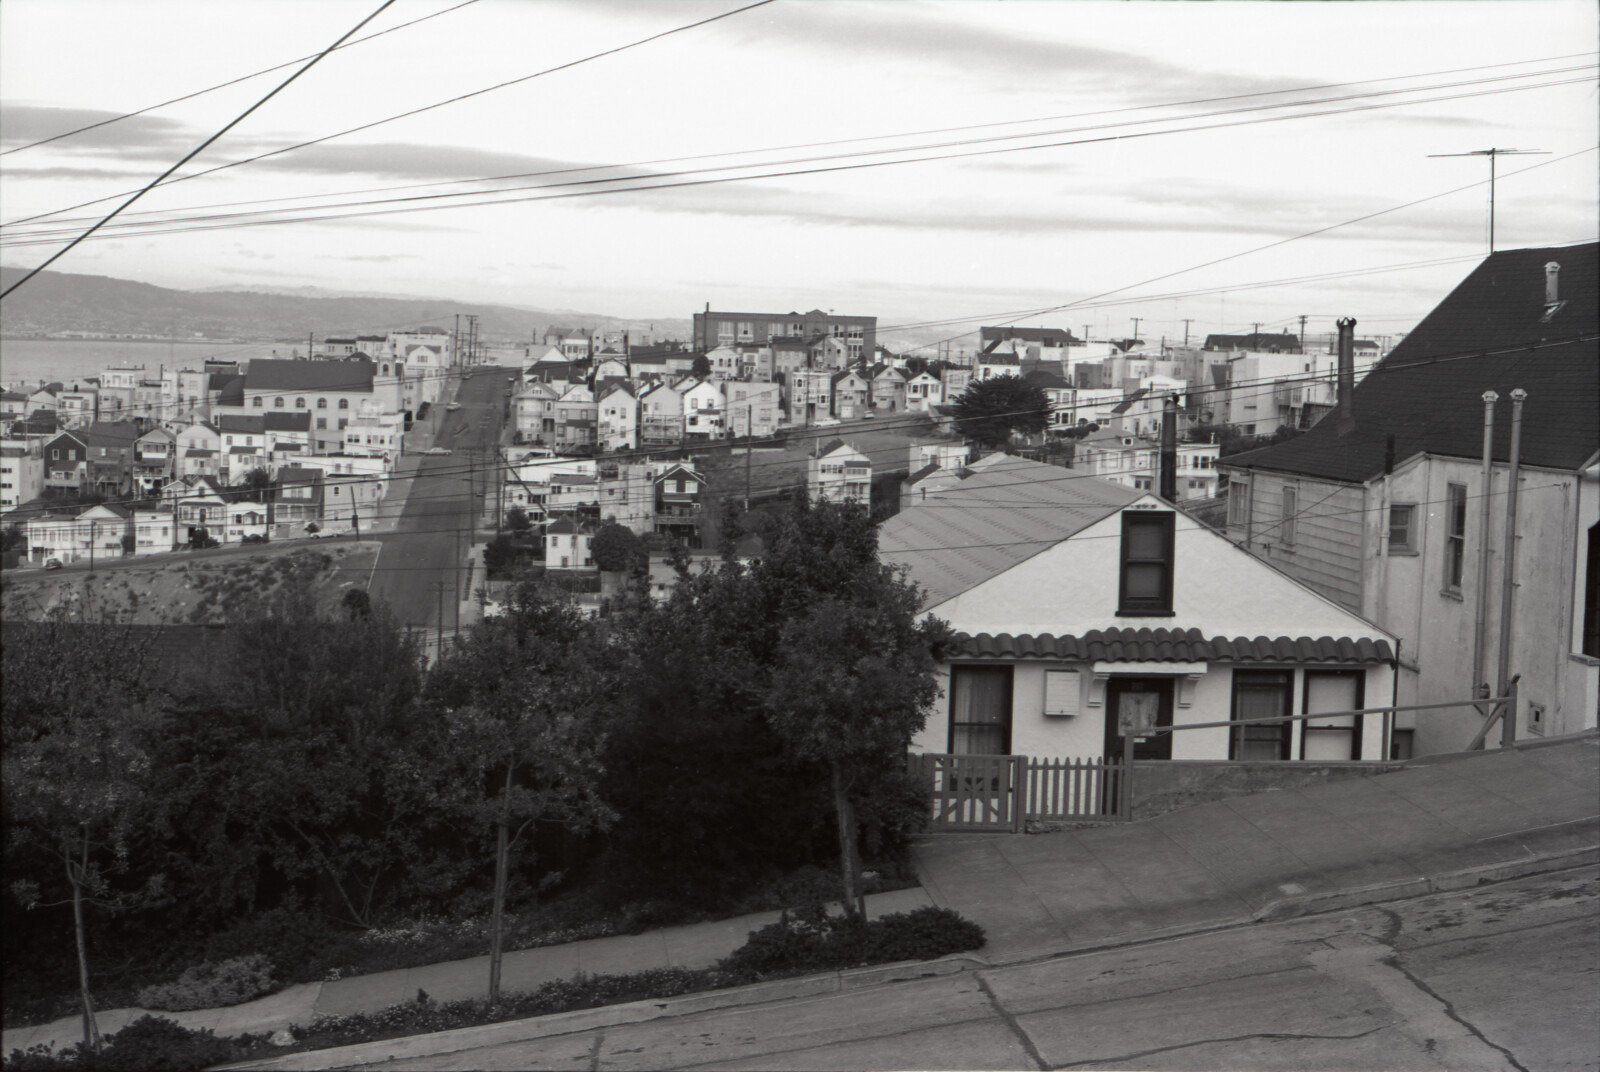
{"x": 1508, "y": 567}
{"x": 1480, "y": 634}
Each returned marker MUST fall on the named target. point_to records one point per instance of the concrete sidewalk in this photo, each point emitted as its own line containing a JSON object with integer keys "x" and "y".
{"x": 695, "y": 945}
{"x": 1450, "y": 820}
{"x": 1440, "y": 824}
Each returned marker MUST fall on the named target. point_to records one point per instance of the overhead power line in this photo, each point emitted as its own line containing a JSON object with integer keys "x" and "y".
{"x": 199, "y": 148}
{"x": 223, "y": 85}
{"x": 794, "y": 166}
{"x": 453, "y": 100}
{"x": 886, "y": 137}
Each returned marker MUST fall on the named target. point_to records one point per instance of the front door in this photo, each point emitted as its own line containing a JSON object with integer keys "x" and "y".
{"x": 1135, "y": 705}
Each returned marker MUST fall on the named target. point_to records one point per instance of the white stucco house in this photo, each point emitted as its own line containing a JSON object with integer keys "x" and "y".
{"x": 1085, "y": 610}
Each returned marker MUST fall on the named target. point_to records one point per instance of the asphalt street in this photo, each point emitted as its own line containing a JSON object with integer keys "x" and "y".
{"x": 1497, "y": 977}
{"x": 434, "y": 531}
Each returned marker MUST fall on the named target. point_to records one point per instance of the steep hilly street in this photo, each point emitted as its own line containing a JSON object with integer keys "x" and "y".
{"x": 441, "y": 508}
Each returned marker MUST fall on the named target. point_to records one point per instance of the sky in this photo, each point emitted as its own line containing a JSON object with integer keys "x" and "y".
{"x": 1096, "y": 158}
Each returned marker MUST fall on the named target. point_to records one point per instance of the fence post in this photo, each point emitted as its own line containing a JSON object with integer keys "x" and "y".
{"x": 1019, "y": 794}
{"x": 1508, "y": 717}
{"x": 1126, "y": 788}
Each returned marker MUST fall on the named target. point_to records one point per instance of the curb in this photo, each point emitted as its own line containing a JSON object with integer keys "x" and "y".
{"x": 565, "y": 1023}
{"x": 1449, "y": 881}
{"x": 461, "y": 1038}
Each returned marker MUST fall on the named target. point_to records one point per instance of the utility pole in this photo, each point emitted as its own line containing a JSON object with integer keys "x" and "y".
{"x": 310, "y": 344}
{"x": 749, "y": 450}
{"x": 1303, "y": 319}
{"x": 455, "y": 342}
{"x": 439, "y": 646}
{"x": 91, "y": 548}
{"x": 1186, "y": 324}
{"x": 1491, "y": 154}
{"x": 458, "y": 582}
{"x": 1136, "y": 327}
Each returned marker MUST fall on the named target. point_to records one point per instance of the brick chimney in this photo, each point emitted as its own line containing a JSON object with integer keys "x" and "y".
{"x": 1552, "y": 283}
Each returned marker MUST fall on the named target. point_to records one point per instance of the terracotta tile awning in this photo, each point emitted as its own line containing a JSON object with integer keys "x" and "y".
{"x": 1171, "y": 645}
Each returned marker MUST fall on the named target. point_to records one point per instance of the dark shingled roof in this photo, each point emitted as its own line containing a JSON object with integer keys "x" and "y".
{"x": 288, "y": 422}
{"x": 1171, "y": 645}
{"x": 1048, "y": 336}
{"x": 1491, "y": 333}
{"x": 274, "y": 374}
{"x": 1282, "y": 343}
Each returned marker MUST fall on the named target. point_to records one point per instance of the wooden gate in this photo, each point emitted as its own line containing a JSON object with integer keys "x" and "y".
{"x": 975, "y": 793}
{"x": 1000, "y": 793}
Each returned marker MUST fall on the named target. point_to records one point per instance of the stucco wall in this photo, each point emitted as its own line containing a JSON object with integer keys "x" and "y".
{"x": 1437, "y": 625}
{"x": 1034, "y": 733}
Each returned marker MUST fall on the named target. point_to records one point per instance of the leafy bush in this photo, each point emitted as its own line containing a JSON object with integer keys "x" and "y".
{"x": 810, "y": 940}
{"x": 212, "y": 985}
{"x": 150, "y": 1042}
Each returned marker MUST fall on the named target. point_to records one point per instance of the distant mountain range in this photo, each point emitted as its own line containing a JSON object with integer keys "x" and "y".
{"x": 55, "y": 302}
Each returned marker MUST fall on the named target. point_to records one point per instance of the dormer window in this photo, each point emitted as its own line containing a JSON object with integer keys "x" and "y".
{"x": 1147, "y": 564}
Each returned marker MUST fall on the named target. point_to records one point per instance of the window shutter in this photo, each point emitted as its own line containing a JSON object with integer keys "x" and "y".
{"x": 1060, "y": 692}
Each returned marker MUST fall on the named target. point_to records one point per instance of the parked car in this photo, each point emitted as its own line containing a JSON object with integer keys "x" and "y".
{"x": 437, "y": 450}
{"x": 52, "y": 563}
{"x": 452, "y": 407}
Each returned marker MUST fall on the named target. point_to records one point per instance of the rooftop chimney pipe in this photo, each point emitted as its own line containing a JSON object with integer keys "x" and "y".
{"x": 1169, "y": 449}
{"x": 1347, "y": 374}
{"x": 1552, "y": 283}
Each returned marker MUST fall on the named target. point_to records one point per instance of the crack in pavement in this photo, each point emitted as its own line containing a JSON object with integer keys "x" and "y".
{"x": 1102, "y": 1061}
{"x": 1450, "y": 1011}
{"x": 1011, "y": 1022}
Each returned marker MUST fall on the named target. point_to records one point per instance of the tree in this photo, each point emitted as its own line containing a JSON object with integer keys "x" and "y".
{"x": 916, "y": 366}
{"x": 12, "y": 537}
{"x": 616, "y": 548}
{"x": 78, "y": 728}
{"x": 518, "y": 522}
{"x": 256, "y": 484}
{"x": 851, "y": 667}
{"x": 309, "y": 746}
{"x": 357, "y": 604}
{"x": 991, "y": 410}
{"x": 528, "y": 694}
{"x": 701, "y": 366}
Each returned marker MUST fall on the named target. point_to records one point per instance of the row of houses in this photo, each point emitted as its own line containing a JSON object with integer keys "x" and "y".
{"x": 1377, "y": 563}
{"x": 321, "y": 497}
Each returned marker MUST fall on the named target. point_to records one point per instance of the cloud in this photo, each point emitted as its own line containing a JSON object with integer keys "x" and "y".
{"x": 139, "y": 136}
{"x": 914, "y": 35}
{"x": 416, "y": 160}
{"x": 369, "y": 258}
{"x": 65, "y": 172}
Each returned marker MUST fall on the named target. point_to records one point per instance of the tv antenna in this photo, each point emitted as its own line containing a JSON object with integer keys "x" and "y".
{"x": 1491, "y": 154}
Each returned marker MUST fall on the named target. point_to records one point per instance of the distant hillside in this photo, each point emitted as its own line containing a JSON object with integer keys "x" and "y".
{"x": 57, "y": 302}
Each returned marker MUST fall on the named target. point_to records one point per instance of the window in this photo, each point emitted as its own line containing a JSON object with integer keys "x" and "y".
{"x": 1238, "y": 502}
{"x": 1291, "y": 502}
{"x": 344, "y": 403}
{"x": 322, "y": 403}
{"x": 980, "y": 710}
{"x": 1260, "y": 694}
{"x": 1402, "y": 529}
{"x": 1591, "y": 596}
{"x": 1147, "y": 553}
{"x": 1455, "y": 535}
{"x": 322, "y": 423}
{"x": 258, "y": 402}
{"x": 277, "y": 403}
{"x": 300, "y": 403}
{"x": 1337, "y": 738}
{"x": 342, "y": 423}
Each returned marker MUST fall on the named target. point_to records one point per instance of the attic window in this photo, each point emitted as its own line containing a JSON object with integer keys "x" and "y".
{"x": 1147, "y": 565}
